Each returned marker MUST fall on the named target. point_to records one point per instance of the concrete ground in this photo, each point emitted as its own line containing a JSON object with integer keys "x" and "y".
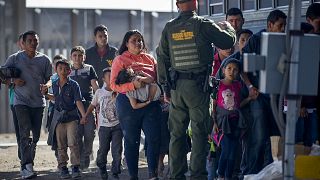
{"x": 46, "y": 165}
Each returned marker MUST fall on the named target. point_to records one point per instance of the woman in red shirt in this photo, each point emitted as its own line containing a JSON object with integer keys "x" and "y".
{"x": 132, "y": 54}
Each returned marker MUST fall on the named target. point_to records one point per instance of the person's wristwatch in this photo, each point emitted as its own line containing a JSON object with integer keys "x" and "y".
{"x": 250, "y": 86}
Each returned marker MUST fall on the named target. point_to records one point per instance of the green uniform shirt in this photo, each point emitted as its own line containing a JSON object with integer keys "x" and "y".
{"x": 185, "y": 44}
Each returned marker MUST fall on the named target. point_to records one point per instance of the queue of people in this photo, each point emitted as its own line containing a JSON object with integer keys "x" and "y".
{"x": 122, "y": 91}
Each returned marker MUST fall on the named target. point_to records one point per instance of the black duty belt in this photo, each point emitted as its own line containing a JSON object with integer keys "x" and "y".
{"x": 190, "y": 75}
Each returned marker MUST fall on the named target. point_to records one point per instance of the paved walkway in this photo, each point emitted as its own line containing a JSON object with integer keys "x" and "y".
{"x": 45, "y": 162}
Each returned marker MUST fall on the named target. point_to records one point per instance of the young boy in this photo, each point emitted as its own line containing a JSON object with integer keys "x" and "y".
{"x": 86, "y": 77}
{"x": 67, "y": 97}
{"x": 243, "y": 36}
{"x": 109, "y": 127}
{"x": 53, "y": 78}
{"x": 149, "y": 92}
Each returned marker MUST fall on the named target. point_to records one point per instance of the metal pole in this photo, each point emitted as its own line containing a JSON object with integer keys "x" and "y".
{"x": 172, "y": 5}
{"x": 289, "y": 139}
{"x": 85, "y": 23}
{"x": 142, "y": 22}
{"x": 292, "y": 113}
{"x": 3, "y": 55}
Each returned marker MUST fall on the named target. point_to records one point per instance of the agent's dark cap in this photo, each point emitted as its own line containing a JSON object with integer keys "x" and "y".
{"x": 182, "y": 1}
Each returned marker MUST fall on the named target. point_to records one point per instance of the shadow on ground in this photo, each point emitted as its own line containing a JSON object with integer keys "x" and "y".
{"x": 90, "y": 174}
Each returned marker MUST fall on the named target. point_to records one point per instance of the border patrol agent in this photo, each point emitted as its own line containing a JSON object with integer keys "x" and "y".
{"x": 184, "y": 63}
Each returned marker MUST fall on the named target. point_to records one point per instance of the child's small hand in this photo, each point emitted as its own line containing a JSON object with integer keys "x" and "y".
{"x": 253, "y": 93}
{"x": 148, "y": 102}
{"x": 137, "y": 84}
{"x": 83, "y": 120}
{"x": 253, "y": 96}
{"x": 143, "y": 84}
{"x": 161, "y": 99}
{"x": 215, "y": 128}
{"x": 167, "y": 98}
{"x": 303, "y": 112}
{"x": 213, "y": 114}
{"x": 44, "y": 89}
{"x": 249, "y": 98}
{"x": 19, "y": 82}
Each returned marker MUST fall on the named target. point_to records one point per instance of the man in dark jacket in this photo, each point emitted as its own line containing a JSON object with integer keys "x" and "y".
{"x": 101, "y": 55}
{"x": 257, "y": 145}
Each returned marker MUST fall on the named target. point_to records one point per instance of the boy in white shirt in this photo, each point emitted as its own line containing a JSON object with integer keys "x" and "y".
{"x": 109, "y": 129}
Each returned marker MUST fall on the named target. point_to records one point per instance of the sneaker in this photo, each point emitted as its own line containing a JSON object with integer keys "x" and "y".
{"x": 124, "y": 163}
{"x": 76, "y": 172}
{"x": 29, "y": 167}
{"x": 103, "y": 173}
{"x": 115, "y": 176}
{"x": 160, "y": 169}
{"x": 85, "y": 163}
{"x": 26, "y": 174}
{"x": 64, "y": 173}
{"x": 154, "y": 178}
{"x": 219, "y": 176}
{"x": 84, "y": 166}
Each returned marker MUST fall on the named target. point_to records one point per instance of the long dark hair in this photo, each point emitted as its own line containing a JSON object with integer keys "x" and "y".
{"x": 126, "y": 38}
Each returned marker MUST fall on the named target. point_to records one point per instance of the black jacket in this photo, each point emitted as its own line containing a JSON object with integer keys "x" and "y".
{"x": 100, "y": 63}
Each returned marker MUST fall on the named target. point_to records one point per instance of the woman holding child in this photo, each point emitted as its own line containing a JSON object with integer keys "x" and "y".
{"x": 132, "y": 55}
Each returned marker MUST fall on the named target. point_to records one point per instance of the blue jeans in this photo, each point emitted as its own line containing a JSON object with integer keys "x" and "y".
{"x": 256, "y": 145}
{"x": 86, "y": 134}
{"x": 165, "y": 134}
{"x": 307, "y": 129}
{"x": 212, "y": 164}
{"x": 210, "y": 169}
{"x": 107, "y": 136}
{"x": 227, "y": 157}
{"x": 16, "y": 128}
{"x": 29, "y": 119}
{"x": 132, "y": 121}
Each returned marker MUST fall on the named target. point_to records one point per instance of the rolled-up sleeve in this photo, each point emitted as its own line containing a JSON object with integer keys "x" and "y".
{"x": 223, "y": 39}
{"x": 48, "y": 70}
{"x": 77, "y": 92}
